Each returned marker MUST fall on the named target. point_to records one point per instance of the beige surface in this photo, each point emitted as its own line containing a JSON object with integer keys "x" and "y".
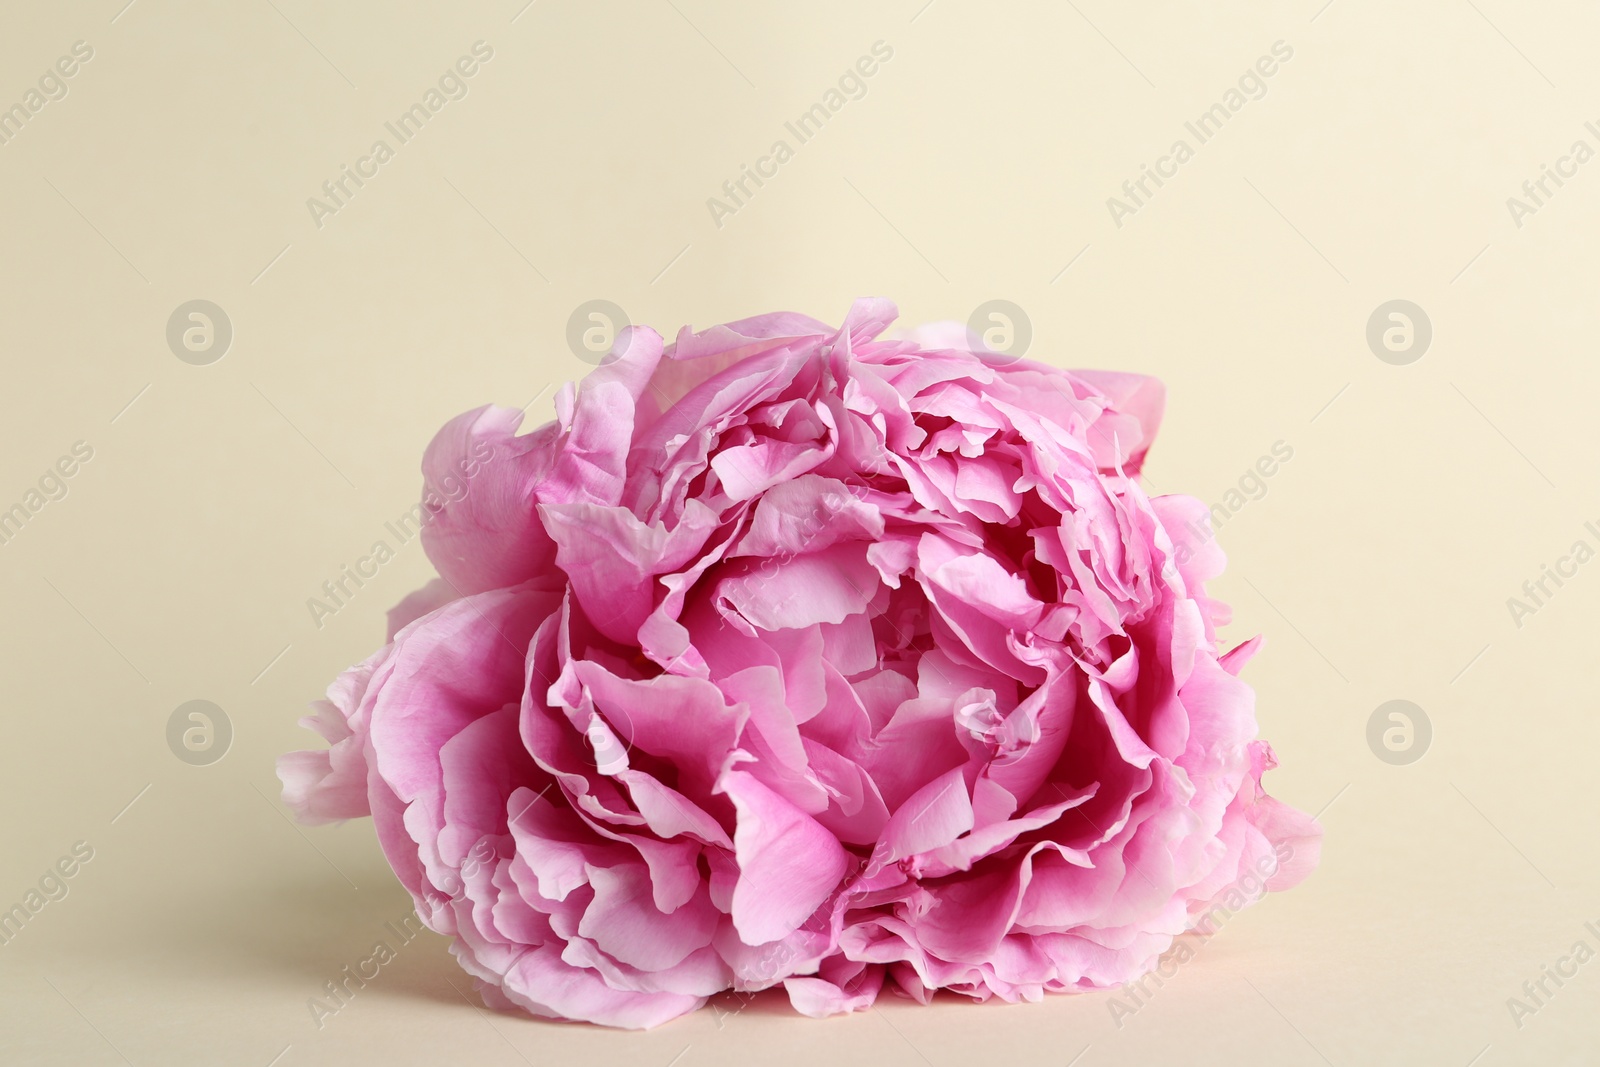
{"x": 977, "y": 165}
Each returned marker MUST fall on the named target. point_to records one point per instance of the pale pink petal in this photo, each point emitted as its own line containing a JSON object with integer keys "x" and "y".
{"x": 623, "y": 921}
{"x": 788, "y": 864}
{"x": 542, "y": 983}
{"x": 487, "y": 536}
{"x": 930, "y": 818}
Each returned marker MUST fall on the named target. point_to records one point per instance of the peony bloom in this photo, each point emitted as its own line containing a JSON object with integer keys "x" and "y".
{"x": 789, "y": 655}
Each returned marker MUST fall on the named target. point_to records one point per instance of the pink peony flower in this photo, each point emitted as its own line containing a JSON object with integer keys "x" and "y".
{"x": 789, "y": 655}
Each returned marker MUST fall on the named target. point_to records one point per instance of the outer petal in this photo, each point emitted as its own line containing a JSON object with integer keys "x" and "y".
{"x": 541, "y": 982}
{"x": 788, "y": 864}
{"x": 485, "y": 534}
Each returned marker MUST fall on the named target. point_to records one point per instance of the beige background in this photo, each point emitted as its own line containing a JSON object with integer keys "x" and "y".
{"x": 977, "y": 166}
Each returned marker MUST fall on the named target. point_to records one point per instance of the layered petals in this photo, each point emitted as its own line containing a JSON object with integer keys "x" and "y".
{"x": 798, "y": 656}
